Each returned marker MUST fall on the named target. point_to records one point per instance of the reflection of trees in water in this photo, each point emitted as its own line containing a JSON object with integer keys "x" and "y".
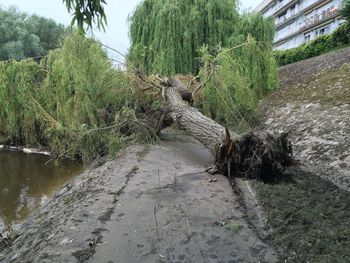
{"x": 25, "y": 180}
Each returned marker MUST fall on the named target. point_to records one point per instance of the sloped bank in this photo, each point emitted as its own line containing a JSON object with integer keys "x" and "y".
{"x": 310, "y": 216}
{"x": 152, "y": 204}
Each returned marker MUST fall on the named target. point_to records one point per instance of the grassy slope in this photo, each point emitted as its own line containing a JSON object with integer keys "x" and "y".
{"x": 329, "y": 88}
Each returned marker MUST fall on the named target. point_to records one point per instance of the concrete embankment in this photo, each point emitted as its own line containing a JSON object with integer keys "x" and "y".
{"x": 152, "y": 204}
{"x": 313, "y": 104}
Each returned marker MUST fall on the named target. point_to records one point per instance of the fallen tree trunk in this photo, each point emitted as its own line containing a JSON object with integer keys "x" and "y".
{"x": 253, "y": 155}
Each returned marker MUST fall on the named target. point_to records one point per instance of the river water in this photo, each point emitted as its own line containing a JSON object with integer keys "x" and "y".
{"x": 26, "y": 183}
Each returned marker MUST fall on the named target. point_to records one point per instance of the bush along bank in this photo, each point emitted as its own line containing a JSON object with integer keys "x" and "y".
{"x": 338, "y": 39}
{"x": 73, "y": 102}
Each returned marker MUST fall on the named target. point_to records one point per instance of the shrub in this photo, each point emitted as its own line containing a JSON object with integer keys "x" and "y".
{"x": 73, "y": 102}
{"x": 346, "y": 10}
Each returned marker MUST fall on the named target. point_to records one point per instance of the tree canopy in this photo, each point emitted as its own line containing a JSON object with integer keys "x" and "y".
{"x": 231, "y": 52}
{"x": 166, "y": 35}
{"x": 238, "y": 76}
{"x": 23, "y": 35}
{"x": 72, "y": 101}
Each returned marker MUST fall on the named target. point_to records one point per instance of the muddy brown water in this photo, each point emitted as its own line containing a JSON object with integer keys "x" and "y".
{"x": 26, "y": 183}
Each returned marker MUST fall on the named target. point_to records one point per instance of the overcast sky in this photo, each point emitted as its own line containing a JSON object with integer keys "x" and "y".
{"x": 117, "y": 12}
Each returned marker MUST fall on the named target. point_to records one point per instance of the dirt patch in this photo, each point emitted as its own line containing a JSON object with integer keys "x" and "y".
{"x": 320, "y": 137}
{"x": 330, "y": 88}
{"x": 85, "y": 254}
{"x": 303, "y": 72}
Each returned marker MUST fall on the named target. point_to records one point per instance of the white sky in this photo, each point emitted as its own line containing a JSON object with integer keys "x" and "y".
{"x": 117, "y": 12}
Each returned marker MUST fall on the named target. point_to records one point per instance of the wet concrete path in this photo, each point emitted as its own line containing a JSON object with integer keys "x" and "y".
{"x": 152, "y": 204}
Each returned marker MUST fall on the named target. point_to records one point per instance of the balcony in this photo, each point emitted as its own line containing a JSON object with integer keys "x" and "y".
{"x": 317, "y": 20}
{"x": 287, "y": 20}
{"x": 283, "y": 7}
{"x": 277, "y": 7}
{"x": 302, "y": 11}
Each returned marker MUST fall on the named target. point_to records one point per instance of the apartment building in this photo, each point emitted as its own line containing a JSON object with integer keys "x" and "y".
{"x": 299, "y": 21}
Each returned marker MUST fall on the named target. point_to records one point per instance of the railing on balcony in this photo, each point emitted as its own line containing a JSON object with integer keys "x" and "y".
{"x": 325, "y": 14}
{"x": 285, "y": 20}
{"x": 312, "y": 22}
{"x": 317, "y": 18}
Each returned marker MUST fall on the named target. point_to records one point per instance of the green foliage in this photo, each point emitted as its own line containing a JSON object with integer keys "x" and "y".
{"x": 73, "y": 102}
{"x": 237, "y": 78}
{"x": 346, "y": 10}
{"x": 180, "y": 36}
{"x": 166, "y": 35}
{"x": 24, "y": 36}
{"x": 87, "y": 12}
{"x": 320, "y": 45}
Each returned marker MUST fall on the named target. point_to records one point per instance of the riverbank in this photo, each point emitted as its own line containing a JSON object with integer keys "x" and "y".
{"x": 25, "y": 149}
{"x": 152, "y": 204}
{"x": 309, "y": 217}
{"x": 157, "y": 204}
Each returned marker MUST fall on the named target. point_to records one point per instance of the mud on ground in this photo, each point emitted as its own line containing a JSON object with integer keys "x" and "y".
{"x": 151, "y": 204}
{"x": 156, "y": 204}
{"x": 309, "y": 218}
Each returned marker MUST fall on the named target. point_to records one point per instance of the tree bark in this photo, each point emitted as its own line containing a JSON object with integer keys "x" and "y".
{"x": 254, "y": 155}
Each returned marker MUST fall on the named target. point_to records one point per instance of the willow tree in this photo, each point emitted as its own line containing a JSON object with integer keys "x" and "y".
{"x": 238, "y": 76}
{"x": 166, "y": 34}
{"x": 87, "y": 12}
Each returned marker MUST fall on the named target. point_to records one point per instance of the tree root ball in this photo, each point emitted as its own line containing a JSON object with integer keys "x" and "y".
{"x": 262, "y": 157}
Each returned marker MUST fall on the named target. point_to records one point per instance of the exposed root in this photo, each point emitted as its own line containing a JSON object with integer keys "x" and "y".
{"x": 262, "y": 157}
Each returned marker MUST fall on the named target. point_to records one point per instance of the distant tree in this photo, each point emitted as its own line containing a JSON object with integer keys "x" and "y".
{"x": 24, "y": 36}
{"x": 346, "y": 10}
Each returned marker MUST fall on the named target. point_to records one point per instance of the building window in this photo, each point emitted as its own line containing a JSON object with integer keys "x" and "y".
{"x": 307, "y": 38}
{"x": 323, "y": 31}
{"x": 282, "y": 17}
{"x": 292, "y": 10}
